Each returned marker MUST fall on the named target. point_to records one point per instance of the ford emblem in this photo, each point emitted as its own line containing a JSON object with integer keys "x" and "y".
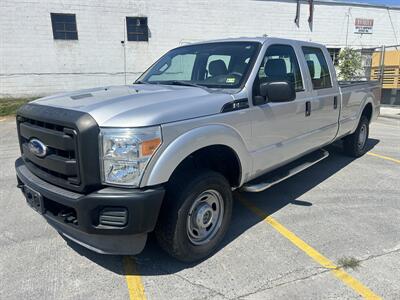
{"x": 37, "y": 148}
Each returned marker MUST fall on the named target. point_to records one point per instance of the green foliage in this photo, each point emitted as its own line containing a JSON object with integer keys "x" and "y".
{"x": 9, "y": 106}
{"x": 349, "y": 64}
{"x": 349, "y": 262}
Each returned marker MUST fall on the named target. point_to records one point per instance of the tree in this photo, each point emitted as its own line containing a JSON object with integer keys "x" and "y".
{"x": 349, "y": 64}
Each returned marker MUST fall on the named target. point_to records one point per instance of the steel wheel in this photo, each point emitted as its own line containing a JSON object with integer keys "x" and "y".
{"x": 362, "y": 137}
{"x": 195, "y": 214}
{"x": 205, "y": 217}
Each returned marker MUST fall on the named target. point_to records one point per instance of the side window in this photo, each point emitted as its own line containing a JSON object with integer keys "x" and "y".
{"x": 318, "y": 68}
{"x": 178, "y": 68}
{"x": 279, "y": 64}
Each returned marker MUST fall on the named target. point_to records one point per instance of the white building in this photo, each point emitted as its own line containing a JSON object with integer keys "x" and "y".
{"x": 48, "y": 46}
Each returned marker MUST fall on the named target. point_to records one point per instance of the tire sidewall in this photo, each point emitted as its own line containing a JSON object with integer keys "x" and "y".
{"x": 195, "y": 252}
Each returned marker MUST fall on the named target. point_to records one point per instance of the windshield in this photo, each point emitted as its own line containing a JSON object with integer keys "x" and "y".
{"x": 213, "y": 65}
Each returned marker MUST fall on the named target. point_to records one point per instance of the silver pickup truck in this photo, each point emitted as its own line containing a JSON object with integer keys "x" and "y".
{"x": 106, "y": 166}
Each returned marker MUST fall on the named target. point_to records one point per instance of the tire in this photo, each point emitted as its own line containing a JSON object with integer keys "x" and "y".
{"x": 176, "y": 229}
{"x": 355, "y": 145}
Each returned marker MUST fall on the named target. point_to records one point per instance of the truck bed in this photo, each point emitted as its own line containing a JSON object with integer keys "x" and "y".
{"x": 361, "y": 88}
{"x": 359, "y": 83}
{"x": 353, "y": 96}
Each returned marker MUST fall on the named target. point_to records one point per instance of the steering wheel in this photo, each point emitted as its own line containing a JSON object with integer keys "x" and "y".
{"x": 236, "y": 74}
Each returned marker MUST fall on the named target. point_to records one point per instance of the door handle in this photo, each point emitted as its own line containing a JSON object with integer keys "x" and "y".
{"x": 335, "y": 102}
{"x": 308, "y": 108}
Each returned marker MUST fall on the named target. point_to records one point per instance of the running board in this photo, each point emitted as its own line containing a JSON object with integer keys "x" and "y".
{"x": 269, "y": 179}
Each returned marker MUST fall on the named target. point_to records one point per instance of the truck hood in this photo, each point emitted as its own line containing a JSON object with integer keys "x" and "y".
{"x": 141, "y": 104}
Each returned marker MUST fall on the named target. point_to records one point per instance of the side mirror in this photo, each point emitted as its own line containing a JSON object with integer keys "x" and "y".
{"x": 278, "y": 91}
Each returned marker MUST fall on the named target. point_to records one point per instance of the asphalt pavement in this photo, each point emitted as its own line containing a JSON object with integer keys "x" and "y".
{"x": 332, "y": 231}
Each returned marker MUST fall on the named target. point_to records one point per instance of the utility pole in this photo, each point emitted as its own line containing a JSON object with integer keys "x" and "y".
{"x": 382, "y": 64}
{"x": 348, "y": 23}
{"x": 123, "y": 43}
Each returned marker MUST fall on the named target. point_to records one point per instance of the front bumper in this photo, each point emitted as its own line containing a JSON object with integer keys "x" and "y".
{"x": 76, "y": 216}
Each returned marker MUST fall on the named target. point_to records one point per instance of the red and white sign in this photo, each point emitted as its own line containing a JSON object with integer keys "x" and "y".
{"x": 363, "y": 26}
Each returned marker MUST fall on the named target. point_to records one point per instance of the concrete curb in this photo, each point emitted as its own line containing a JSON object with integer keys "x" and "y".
{"x": 393, "y": 117}
{"x": 390, "y": 112}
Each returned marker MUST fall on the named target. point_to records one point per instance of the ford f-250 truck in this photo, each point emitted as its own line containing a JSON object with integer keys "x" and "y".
{"x": 106, "y": 166}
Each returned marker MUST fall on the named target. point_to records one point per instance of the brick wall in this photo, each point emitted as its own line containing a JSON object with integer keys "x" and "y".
{"x": 33, "y": 63}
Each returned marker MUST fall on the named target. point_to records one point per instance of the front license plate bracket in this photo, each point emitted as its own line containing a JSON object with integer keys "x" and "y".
{"x": 34, "y": 199}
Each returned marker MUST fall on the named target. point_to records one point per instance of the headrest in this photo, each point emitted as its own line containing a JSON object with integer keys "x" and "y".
{"x": 217, "y": 67}
{"x": 275, "y": 67}
{"x": 240, "y": 68}
{"x": 311, "y": 68}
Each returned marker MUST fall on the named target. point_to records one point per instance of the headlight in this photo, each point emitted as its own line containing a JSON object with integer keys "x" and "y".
{"x": 125, "y": 153}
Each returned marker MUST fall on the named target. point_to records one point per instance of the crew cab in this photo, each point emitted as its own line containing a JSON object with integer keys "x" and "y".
{"x": 107, "y": 166}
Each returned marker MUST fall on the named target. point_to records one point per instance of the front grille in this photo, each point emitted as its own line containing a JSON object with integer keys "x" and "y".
{"x": 71, "y": 138}
{"x": 60, "y": 164}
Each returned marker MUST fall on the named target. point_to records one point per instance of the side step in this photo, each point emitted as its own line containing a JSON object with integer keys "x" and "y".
{"x": 269, "y": 179}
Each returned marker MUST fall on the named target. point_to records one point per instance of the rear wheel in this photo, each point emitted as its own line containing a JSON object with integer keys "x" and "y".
{"x": 356, "y": 144}
{"x": 195, "y": 215}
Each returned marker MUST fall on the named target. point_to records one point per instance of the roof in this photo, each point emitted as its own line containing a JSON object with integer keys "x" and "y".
{"x": 261, "y": 40}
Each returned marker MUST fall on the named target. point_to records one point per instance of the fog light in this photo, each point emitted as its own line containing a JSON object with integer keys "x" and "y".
{"x": 113, "y": 217}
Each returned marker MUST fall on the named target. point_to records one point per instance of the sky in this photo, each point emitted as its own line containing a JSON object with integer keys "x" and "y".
{"x": 384, "y": 2}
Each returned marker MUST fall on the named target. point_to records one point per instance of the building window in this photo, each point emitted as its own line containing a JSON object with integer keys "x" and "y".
{"x": 64, "y": 26}
{"x": 137, "y": 29}
{"x": 334, "y": 53}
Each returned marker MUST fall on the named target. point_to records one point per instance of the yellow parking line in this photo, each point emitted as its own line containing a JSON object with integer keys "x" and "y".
{"x": 311, "y": 252}
{"x": 384, "y": 157}
{"x": 133, "y": 279}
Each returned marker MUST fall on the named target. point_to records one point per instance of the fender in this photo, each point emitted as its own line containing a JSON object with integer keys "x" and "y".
{"x": 194, "y": 140}
{"x": 368, "y": 99}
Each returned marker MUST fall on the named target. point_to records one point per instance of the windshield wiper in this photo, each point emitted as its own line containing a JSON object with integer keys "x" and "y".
{"x": 185, "y": 83}
{"x": 141, "y": 82}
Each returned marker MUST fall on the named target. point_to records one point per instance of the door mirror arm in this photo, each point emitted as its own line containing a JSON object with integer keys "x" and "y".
{"x": 259, "y": 100}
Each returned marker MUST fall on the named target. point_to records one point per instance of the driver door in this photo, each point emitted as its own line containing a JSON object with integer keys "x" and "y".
{"x": 279, "y": 130}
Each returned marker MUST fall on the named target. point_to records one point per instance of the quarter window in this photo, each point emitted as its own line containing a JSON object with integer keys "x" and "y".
{"x": 318, "y": 68}
{"x": 280, "y": 64}
{"x": 137, "y": 29}
{"x": 64, "y": 26}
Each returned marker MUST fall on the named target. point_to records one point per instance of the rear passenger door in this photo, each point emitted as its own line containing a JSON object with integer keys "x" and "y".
{"x": 324, "y": 101}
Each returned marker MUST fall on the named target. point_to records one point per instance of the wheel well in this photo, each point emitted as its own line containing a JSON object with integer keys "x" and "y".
{"x": 367, "y": 111}
{"x": 219, "y": 158}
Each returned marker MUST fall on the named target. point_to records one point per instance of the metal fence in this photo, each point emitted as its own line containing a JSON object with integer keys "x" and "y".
{"x": 382, "y": 64}
{"x": 386, "y": 68}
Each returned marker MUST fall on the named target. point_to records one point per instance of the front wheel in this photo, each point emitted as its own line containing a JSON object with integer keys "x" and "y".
{"x": 195, "y": 215}
{"x": 356, "y": 144}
